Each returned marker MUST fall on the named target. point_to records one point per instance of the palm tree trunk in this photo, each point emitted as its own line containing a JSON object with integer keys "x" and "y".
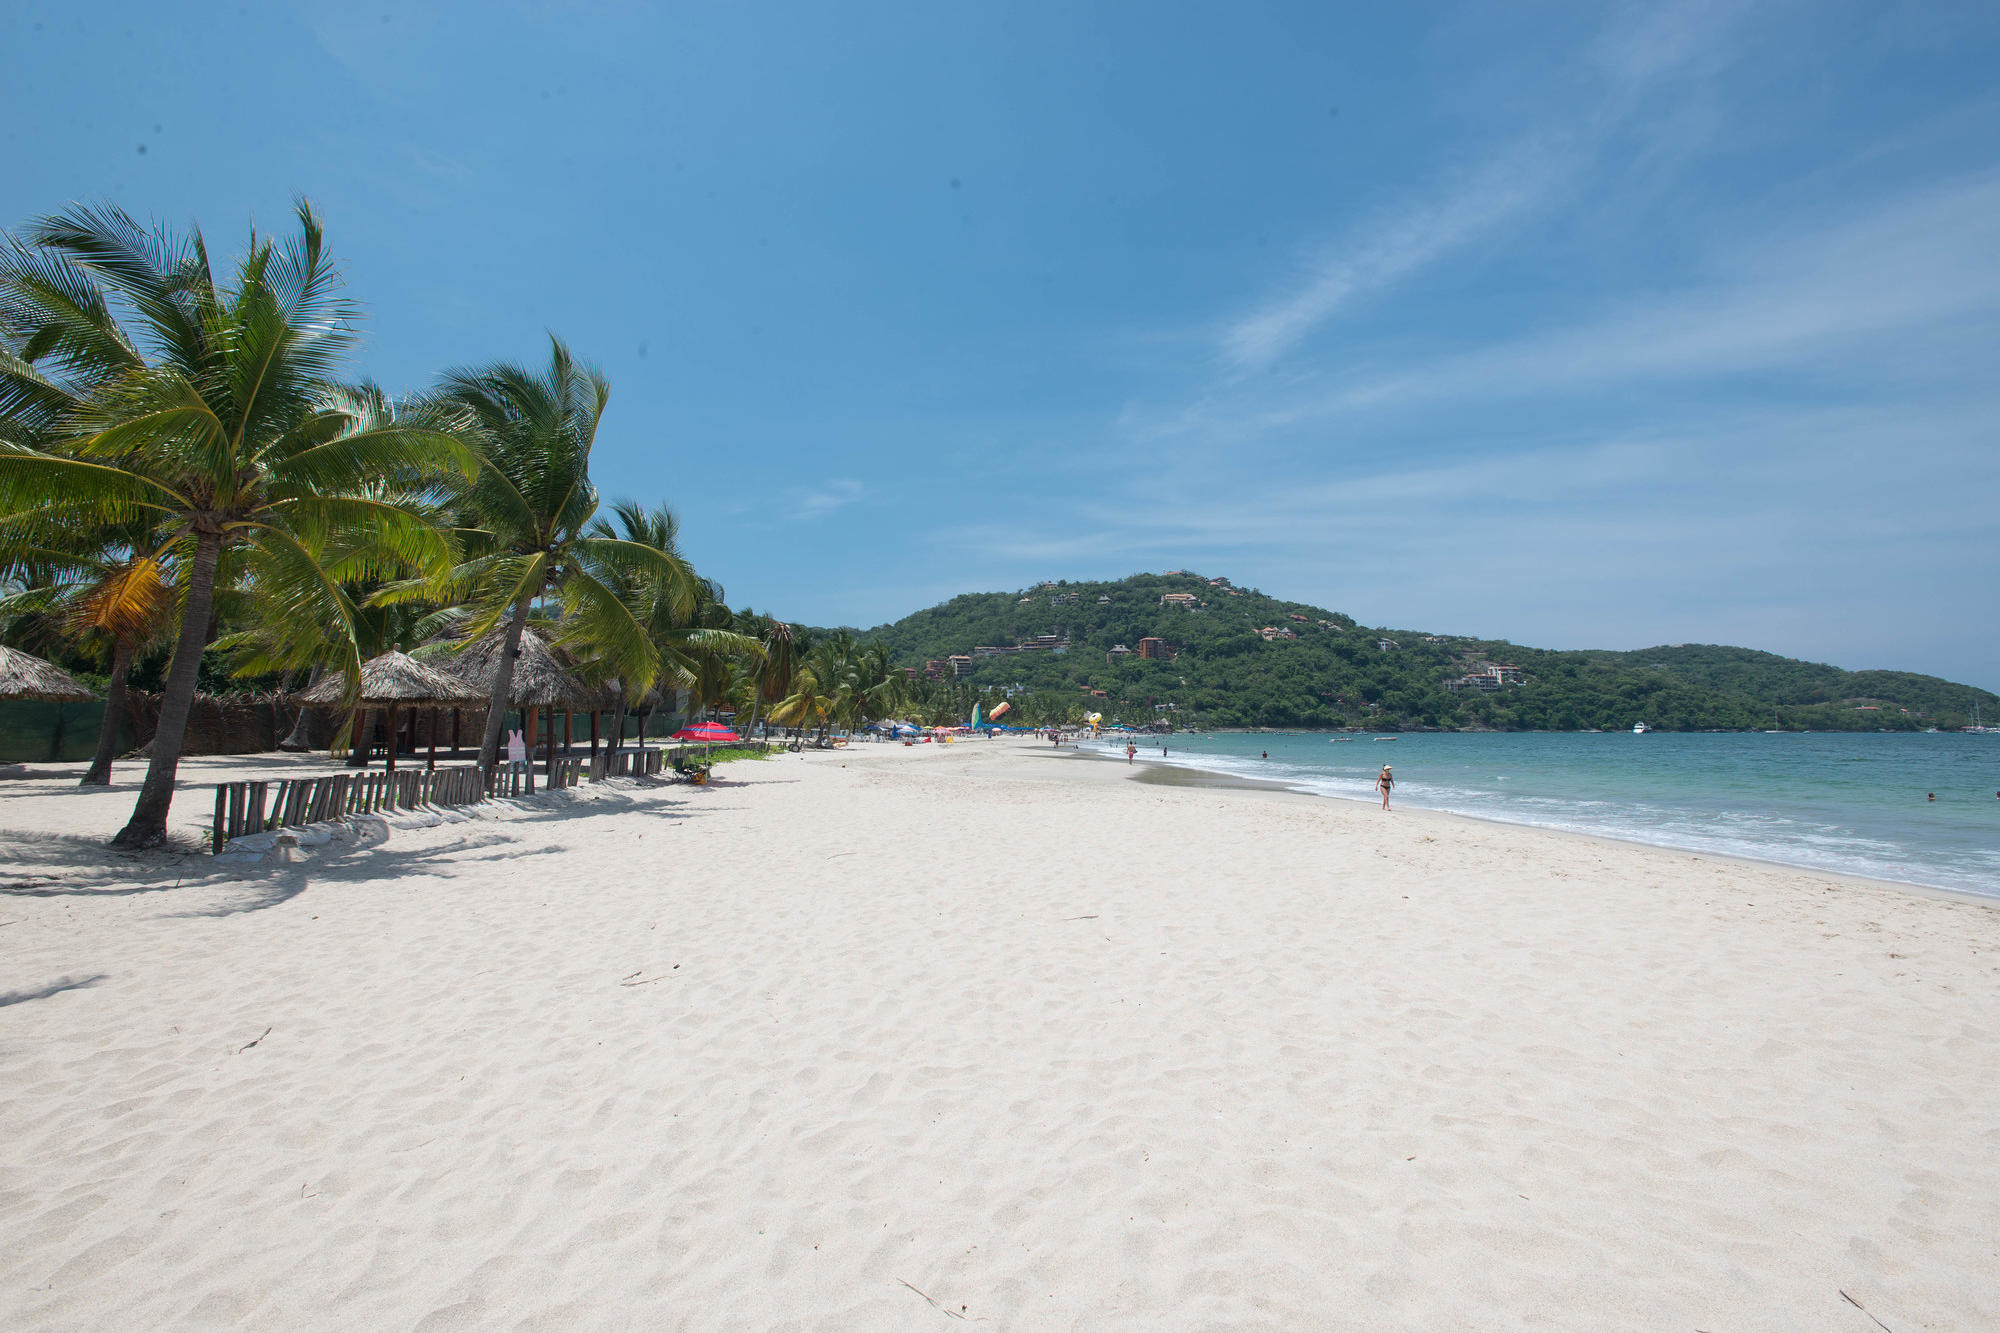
{"x": 503, "y": 686}
{"x": 148, "y": 825}
{"x": 278, "y": 698}
{"x": 615, "y": 741}
{"x": 295, "y": 740}
{"x": 99, "y": 774}
{"x": 615, "y": 737}
{"x": 359, "y": 742}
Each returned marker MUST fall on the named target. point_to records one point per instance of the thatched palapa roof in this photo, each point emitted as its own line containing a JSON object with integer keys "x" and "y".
{"x": 394, "y": 680}
{"x": 540, "y": 679}
{"x": 25, "y": 676}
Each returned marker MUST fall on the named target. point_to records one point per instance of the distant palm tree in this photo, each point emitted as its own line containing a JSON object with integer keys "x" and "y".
{"x": 841, "y": 682}
{"x": 682, "y": 637}
{"x": 772, "y": 674}
{"x": 527, "y": 528}
{"x": 813, "y": 701}
{"x": 716, "y": 660}
{"x": 228, "y": 430}
{"x": 109, "y": 601}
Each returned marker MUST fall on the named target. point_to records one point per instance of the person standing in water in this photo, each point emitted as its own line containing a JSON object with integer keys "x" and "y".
{"x": 1384, "y": 782}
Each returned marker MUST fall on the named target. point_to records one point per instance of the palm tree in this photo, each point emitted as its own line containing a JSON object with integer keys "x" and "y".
{"x": 841, "y": 682}
{"x": 527, "y": 525}
{"x": 715, "y": 659}
{"x": 107, "y": 601}
{"x": 813, "y": 701}
{"x": 780, "y": 644}
{"x": 681, "y": 631}
{"x": 883, "y": 686}
{"x": 227, "y": 430}
{"x": 286, "y": 633}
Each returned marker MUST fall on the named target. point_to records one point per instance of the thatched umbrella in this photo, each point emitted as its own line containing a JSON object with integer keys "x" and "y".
{"x": 540, "y": 679}
{"x": 25, "y": 676}
{"x": 394, "y": 680}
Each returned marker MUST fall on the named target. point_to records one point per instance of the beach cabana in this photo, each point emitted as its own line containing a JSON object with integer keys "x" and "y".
{"x": 541, "y": 682}
{"x": 24, "y": 676}
{"x": 392, "y": 681}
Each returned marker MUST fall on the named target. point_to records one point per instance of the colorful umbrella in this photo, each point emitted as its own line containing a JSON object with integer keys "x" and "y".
{"x": 706, "y": 731}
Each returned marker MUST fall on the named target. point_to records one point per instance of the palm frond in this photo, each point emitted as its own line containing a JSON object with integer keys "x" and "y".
{"x": 30, "y": 478}
{"x": 613, "y": 634}
{"x": 157, "y": 273}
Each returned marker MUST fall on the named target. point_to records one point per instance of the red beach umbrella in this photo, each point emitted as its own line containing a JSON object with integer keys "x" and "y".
{"x": 713, "y": 732}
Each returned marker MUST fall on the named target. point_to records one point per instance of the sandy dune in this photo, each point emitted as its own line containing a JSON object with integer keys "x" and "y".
{"x": 883, "y": 1039}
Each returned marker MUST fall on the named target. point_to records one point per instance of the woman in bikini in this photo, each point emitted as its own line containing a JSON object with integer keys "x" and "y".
{"x": 1384, "y": 783}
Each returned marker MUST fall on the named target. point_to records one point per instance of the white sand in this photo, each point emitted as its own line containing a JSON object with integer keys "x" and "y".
{"x": 1054, "y": 1048}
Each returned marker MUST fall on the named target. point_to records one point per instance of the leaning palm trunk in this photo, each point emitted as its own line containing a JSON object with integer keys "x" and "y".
{"x": 99, "y": 774}
{"x": 503, "y": 687}
{"x": 148, "y": 825}
{"x": 615, "y": 738}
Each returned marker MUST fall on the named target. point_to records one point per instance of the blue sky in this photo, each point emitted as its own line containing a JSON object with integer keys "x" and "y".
{"x": 1582, "y": 325}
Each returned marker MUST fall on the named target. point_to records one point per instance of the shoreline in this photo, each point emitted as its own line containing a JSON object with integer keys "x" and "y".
{"x": 1209, "y": 778}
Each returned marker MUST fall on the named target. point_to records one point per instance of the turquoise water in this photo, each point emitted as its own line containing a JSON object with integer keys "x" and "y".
{"x": 1850, "y": 803}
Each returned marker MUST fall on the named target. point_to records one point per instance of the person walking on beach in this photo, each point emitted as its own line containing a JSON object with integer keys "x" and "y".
{"x": 1384, "y": 782}
{"x": 1130, "y": 750}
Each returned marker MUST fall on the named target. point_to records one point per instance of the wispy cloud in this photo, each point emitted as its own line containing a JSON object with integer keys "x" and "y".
{"x": 1396, "y": 245}
{"x": 1510, "y": 182}
{"x": 826, "y": 498}
{"x": 1883, "y": 293}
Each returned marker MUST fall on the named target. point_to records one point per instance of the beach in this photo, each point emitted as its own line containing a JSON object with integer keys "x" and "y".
{"x": 898, "y": 1037}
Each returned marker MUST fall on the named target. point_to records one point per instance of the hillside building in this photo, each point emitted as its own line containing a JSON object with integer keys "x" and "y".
{"x": 1487, "y": 680}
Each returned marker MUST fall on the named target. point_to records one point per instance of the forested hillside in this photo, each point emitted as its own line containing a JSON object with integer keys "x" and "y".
{"x": 1229, "y": 670}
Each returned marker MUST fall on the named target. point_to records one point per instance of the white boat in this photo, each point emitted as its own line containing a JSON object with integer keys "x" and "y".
{"x": 1640, "y": 728}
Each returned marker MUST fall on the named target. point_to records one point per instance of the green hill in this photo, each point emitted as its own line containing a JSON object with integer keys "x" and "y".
{"x": 1233, "y": 665}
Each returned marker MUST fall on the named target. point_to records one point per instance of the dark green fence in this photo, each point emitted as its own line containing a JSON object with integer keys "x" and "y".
{"x": 38, "y": 733}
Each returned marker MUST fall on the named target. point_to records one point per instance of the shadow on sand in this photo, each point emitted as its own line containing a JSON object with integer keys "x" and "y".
{"x": 53, "y": 988}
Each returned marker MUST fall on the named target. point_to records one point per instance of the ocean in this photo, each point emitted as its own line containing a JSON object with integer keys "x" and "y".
{"x": 1851, "y": 803}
